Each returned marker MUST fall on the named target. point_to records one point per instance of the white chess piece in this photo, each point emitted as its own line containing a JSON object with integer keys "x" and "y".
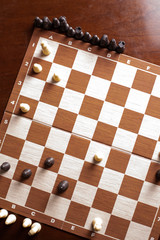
{"x": 45, "y": 48}
{"x": 35, "y": 228}
{"x": 24, "y": 107}
{"x": 3, "y": 213}
{"x": 97, "y": 224}
{"x": 27, "y": 222}
{"x": 37, "y": 68}
{"x": 98, "y": 157}
{"x": 56, "y": 78}
{"x": 10, "y": 219}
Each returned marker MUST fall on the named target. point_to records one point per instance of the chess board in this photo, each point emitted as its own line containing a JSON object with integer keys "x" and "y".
{"x": 105, "y": 102}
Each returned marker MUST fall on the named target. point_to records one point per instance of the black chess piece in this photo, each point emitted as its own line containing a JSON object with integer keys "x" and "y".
{"x": 62, "y": 18}
{"x": 87, "y": 37}
{"x": 38, "y": 22}
{"x": 64, "y": 26}
{"x": 112, "y": 45}
{"x": 49, "y": 162}
{"x": 55, "y": 23}
{"x": 70, "y": 32}
{"x": 47, "y": 24}
{"x": 95, "y": 40}
{"x": 5, "y": 166}
{"x": 158, "y": 175}
{"x": 78, "y": 33}
{"x": 63, "y": 185}
{"x": 104, "y": 41}
{"x": 120, "y": 47}
{"x": 26, "y": 173}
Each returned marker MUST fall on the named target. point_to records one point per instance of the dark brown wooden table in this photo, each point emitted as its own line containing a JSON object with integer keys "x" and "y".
{"x": 137, "y": 22}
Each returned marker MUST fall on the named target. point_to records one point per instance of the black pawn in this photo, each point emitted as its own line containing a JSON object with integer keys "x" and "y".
{"x": 121, "y": 47}
{"x": 47, "y": 24}
{"x": 104, "y": 41}
{"x": 64, "y": 26}
{"x": 38, "y": 22}
{"x": 158, "y": 175}
{"x": 112, "y": 45}
{"x": 63, "y": 185}
{"x": 62, "y": 18}
{"x": 5, "y": 166}
{"x": 78, "y": 33}
{"x": 49, "y": 162}
{"x": 87, "y": 37}
{"x": 26, "y": 173}
{"x": 55, "y": 23}
{"x": 95, "y": 40}
{"x": 70, "y": 32}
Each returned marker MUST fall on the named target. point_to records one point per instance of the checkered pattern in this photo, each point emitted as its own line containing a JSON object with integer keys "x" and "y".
{"x": 121, "y": 189}
{"x": 99, "y": 105}
{"x": 107, "y": 101}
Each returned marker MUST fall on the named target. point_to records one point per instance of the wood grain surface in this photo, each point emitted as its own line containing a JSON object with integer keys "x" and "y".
{"x": 136, "y": 22}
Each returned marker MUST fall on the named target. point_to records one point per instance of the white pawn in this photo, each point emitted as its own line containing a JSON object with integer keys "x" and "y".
{"x": 3, "y": 213}
{"x": 45, "y": 48}
{"x": 98, "y": 157}
{"x": 37, "y": 68}
{"x": 10, "y": 219}
{"x": 97, "y": 224}
{"x": 35, "y": 228}
{"x": 56, "y": 78}
{"x": 27, "y": 222}
{"x": 24, "y": 107}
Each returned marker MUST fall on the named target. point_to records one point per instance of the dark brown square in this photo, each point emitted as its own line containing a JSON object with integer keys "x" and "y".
{"x": 64, "y": 120}
{"x": 78, "y": 81}
{"x": 144, "y": 214}
{"x": 77, "y": 213}
{"x": 131, "y": 121}
{"x": 104, "y": 68}
{"x": 57, "y": 159}
{"x": 51, "y": 94}
{"x": 5, "y": 183}
{"x": 151, "y": 175}
{"x": 38, "y": 133}
{"x": 117, "y": 94}
{"x": 77, "y": 147}
{"x": 65, "y": 56}
{"x": 144, "y": 146}
{"x": 32, "y": 103}
{"x": 131, "y": 187}
{"x": 144, "y": 81}
{"x": 91, "y": 107}
{"x": 118, "y": 160}
{"x": 117, "y": 227}
{"x": 37, "y": 199}
{"x": 19, "y": 169}
{"x": 91, "y": 174}
{"x": 153, "y": 107}
{"x": 68, "y": 193}
{"x": 104, "y": 133}
{"x": 104, "y": 200}
{"x": 12, "y": 146}
{"x": 45, "y": 69}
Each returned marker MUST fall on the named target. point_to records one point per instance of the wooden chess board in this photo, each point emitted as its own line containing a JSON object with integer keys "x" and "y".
{"x": 105, "y": 103}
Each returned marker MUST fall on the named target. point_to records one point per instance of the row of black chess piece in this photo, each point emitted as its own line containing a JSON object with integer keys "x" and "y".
{"x": 62, "y": 25}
